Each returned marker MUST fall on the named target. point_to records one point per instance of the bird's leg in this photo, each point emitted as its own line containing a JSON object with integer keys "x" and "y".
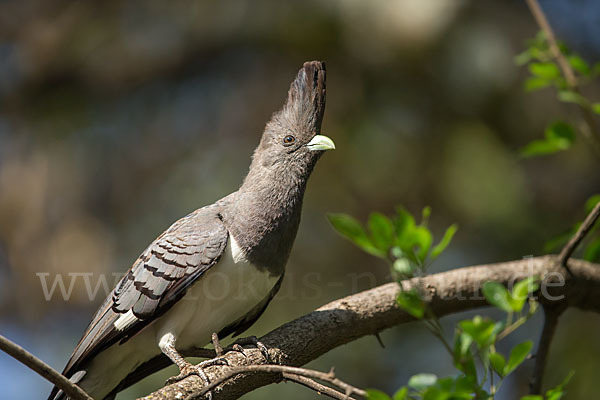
{"x": 219, "y": 351}
{"x": 167, "y": 346}
{"x": 217, "y": 344}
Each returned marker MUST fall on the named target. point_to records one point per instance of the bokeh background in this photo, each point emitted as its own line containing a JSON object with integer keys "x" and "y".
{"x": 118, "y": 117}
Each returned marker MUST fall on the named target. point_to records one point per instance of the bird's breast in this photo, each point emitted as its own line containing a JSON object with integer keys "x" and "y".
{"x": 225, "y": 293}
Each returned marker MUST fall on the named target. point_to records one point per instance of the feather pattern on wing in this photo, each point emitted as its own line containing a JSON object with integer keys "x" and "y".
{"x": 158, "y": 278}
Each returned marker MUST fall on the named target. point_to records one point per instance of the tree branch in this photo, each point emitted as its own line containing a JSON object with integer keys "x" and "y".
{"x": 366, "y": 313}
{"x": 46, "y": 371}
{"x": 316, "y": 386}
{"x": 542, "y": 21}
{"x": 553, "y": 312}
{"x": 281, "y": 369}
{"x": 551, "y": 315}
{"x": 583, "y": 230}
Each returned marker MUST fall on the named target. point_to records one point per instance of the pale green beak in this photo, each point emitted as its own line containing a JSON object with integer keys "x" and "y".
{"x": 320, "y": 142}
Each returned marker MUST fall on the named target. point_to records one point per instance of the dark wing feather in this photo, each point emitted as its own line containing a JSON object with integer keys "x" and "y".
{"x": 158, "y": 278}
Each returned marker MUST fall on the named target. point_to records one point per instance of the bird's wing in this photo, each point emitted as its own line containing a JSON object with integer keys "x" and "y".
{"x": 156, "y": 281}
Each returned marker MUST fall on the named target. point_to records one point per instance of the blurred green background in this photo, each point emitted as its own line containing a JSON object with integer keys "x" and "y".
{"x": 119, "y": 117}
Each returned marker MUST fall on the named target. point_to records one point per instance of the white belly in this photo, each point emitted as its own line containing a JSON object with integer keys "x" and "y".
{"x": 225, "y": 293}
{"x": 222, "y": 295}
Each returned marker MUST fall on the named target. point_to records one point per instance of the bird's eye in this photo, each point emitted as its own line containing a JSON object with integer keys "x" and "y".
{"x": 288, "y": 140}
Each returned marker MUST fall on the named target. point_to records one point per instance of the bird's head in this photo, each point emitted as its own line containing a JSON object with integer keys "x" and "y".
{"x": 291, "y": 142}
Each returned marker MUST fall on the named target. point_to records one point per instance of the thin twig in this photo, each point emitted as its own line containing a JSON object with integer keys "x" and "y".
{"x": 317, "y": 387}
{"x": 513, "y": 326}
{"x": 583, "y": 230}
{"x": 46, "y": 371}
{"x": 551, "y": 321}
{"x": 308, "y": 373}
{"x": 542, "y": 21}
{"x": 591, "y": 131}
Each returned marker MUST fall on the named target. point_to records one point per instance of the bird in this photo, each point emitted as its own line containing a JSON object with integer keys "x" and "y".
{"x": 215, "y": 270}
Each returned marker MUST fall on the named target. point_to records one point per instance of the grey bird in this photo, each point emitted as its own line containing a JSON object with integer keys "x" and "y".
{"x": 214, "y": 270}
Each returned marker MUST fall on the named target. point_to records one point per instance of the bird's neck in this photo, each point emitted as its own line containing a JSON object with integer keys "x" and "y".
{"x": 264, "y": 216}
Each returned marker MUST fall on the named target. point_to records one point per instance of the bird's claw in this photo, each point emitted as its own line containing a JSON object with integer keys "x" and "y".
{"x": 251, "y": 340}
{"x": 198, "y": 370}
{"x": 239, "y": 349}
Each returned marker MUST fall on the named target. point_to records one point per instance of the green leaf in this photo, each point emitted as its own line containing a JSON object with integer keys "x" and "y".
{"x": 482, "y": 331}
{"x": 498, "y": 363}
{"x": 558, "y": 136}
{"x": 579, "y": 64}
{"x": 382, "y": 231}
{"x": 532, "y": 397}
{"x": 557, "y": 392}
{"x": 547, "y": 70}
{"x": 560, "y": 132}
{"x": 497, "y": 295}
{"x": 517, "y": 356}
{"x": 522, "y": 58}
{"x": 538, "y": 148}
{"x": 464, "y": 386}
{"x": 404, "y": 223}
{"x": 569, "y": 96}
{"x": 422, "y": 381}
{"x": 374, "y": 394}
{"x": 562, "y": 47}
{"x": 414, "y": 240}
{"x": 592, "y": 251}
{"x": 526, "y": 286}
{"x": 419, "y": 242}
{"x": 445, "y": 384}
{"x": 484, "y": 355}
{"x": 401, "y": 394}
{"x": 535, "y": 83}
{"x": 352, "y": 230}
{"x": 411, "y": 302}
{"x": 441, "y": 246}
{"x": 467, "y": 366}
{"x": 462, "y": 342}
{"x": 480, "y": 393}
{"x": 591, "y": 203}
{"x": 435, "y": 393}
{"x": 521, "y": 291}
{"x": 596, "y": 108}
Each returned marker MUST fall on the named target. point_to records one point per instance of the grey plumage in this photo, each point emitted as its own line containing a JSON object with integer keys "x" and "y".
{"x": 259, "y": 221}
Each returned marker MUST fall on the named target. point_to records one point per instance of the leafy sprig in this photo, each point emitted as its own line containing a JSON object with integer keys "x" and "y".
{"x": 399, "y": 240}
{"x": 545, "y": 73}
{"x": 408, "y": 248}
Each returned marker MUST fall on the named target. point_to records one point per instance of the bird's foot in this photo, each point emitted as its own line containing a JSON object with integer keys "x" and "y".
{"x": 188, "y": 370}
{"x": 250, "y": 340}
{"x": 237, "y": 346}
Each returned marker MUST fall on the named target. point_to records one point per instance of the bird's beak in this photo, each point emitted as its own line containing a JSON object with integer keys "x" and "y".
{"x": 320, "y": 142}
